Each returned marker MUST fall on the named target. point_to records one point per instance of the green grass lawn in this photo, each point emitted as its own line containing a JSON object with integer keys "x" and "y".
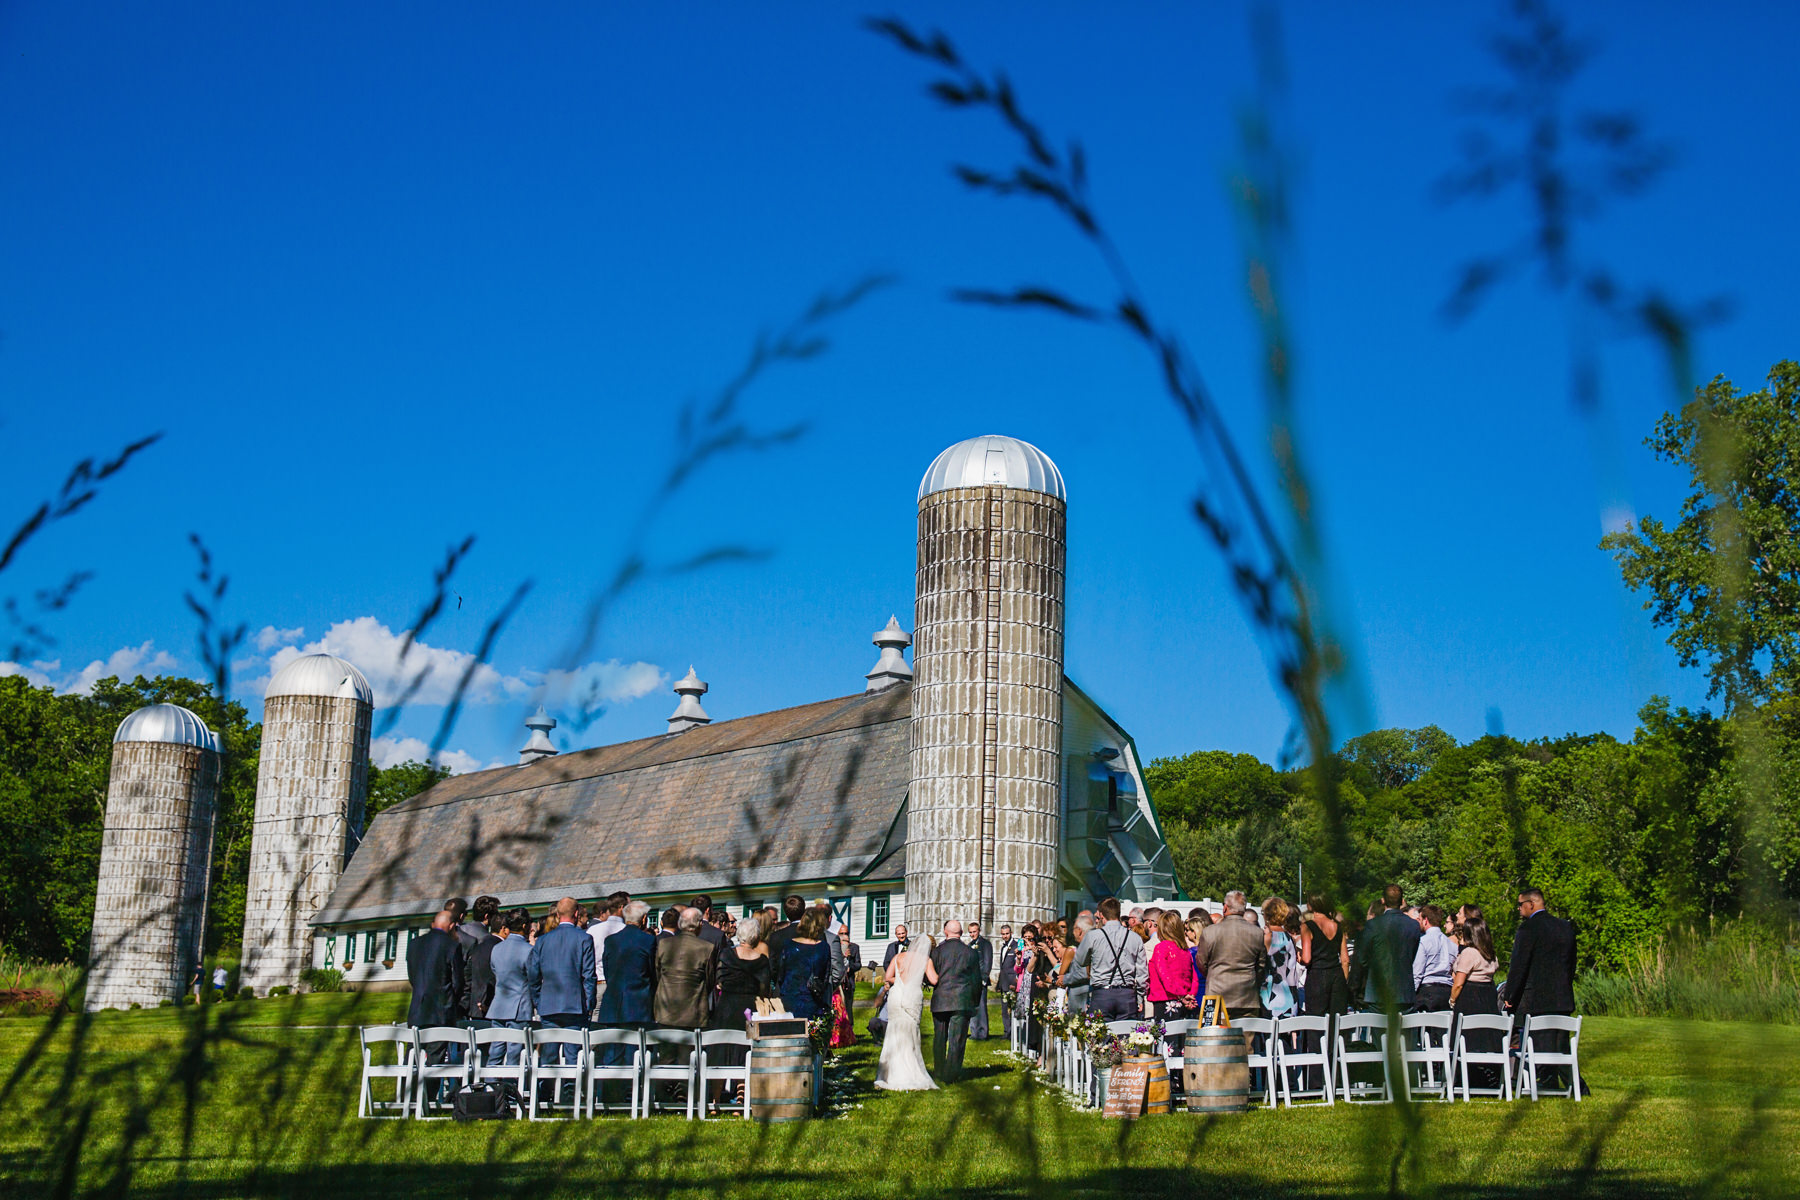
{"x": 258, "y": 1098}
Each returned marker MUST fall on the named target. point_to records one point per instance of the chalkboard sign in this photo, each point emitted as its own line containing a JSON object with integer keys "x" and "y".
{"x": 1125, "y": 1090}
{"x": 1212, "y": 1012}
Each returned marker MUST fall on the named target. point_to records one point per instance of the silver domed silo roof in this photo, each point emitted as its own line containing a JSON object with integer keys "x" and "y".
{"x": 993, "y": 460}
{"x": 320, "y": 675}
{"x": 168, "y": 723}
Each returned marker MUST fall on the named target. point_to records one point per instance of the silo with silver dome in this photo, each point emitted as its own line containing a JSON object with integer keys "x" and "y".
{"x": 155, "y": 858}
{"x": 984, "y": 809}
{"x": 311, "y": 785}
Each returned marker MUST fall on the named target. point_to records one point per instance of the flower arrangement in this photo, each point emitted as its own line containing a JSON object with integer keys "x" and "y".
{"x": 1106, "y": 1053}
{"x": 1147, "y": 1038}
{"x": 818, "y": 1031}
{"x": 1009, "y": 1001}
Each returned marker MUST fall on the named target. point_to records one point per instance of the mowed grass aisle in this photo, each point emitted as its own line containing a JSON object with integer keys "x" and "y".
{"x": 258, "y": 1099}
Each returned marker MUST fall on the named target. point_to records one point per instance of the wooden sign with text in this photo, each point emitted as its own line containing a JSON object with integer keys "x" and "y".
{"x": 1125, "y": 1090}
{"x": 1212, "y": 1012}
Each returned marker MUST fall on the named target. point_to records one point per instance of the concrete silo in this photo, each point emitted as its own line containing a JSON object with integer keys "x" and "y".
{"x": 155, "y": 857}
{"x": 310, "y": 788}
{"x": 984, "y": 807}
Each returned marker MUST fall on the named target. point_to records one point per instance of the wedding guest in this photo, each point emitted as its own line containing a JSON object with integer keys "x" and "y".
{"x": 1472, "y": 991}
{"x": 899, "y": 945}
{"x": 685, "y": 972}
{"x": 509, "y": 1006}
{"x": 1326, "y": 956}
{"x": 1113, "y": 957}
{"x": 743, "y": 980}
{"x": 1040, "y": 969}
{"x": 1073, "y": 979}
{"x": 803, "y": 970}
{"x": 1283, "y": 979}
{"x": 1173, "y": 989}
{"x": 1233, "y": 956}
{"x": 1433, "y": 963}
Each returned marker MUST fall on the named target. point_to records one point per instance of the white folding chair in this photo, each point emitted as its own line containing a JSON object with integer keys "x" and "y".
{"x": 546, "y": 1047}
{"x": 1362, "y": 1039}
{"x": 1121, "y": 1028}
{"x": 679, "y": 1045}
{"x": 405, "y": 1040}
{"x": 1290, "y": 1060}
{"x": 1532, "y": 1056}
{"x": 708, "y": 1072}
{"x": 1081, "y": 1083}
{"x": 629, "y": 1069}
{"x": 1500, "y": 1060}
{"x": 491, "y": 1052}
{"x": 428, "y": 1074}
{"x": 1425, "y": 1052}
{"x": 1259, "y": 1053}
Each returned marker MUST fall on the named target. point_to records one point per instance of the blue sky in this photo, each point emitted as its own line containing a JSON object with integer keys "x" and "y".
{"x": 389, "y": 275}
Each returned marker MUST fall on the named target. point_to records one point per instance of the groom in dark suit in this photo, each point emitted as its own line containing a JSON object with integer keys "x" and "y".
{"x": 953, "y": 1000}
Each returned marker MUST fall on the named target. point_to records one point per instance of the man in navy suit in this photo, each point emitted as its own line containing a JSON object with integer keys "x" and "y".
{"x": 630, "y": 971}
{"x": 560, "y": 975}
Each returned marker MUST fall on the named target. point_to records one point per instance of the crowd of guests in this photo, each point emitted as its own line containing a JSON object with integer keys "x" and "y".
{"x": 1283, "y": 960}
{"x": 480, "y": 965}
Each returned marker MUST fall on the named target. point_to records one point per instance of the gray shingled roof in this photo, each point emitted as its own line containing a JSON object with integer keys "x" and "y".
{"x": 803, "y": 793}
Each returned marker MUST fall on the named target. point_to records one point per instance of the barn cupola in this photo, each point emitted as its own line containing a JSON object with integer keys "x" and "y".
{"x": 539, "y": 746}
{"x": 891, "y": 667}
{"x": 688, "y": 713}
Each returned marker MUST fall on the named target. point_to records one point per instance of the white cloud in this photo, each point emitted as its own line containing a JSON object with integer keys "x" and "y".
{"x": 37, "y": 674}
{"x": 126, "y": 662}
{"x": 269, "y": 637}
{"x": 392, "y": 751}
{"x": 598, "y": 683}
{"x": 375, "y": 650}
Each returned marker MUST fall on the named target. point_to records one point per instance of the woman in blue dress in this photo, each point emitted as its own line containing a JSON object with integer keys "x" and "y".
{"x": 803, "y": 976}
{"x": 1283, "y": 986}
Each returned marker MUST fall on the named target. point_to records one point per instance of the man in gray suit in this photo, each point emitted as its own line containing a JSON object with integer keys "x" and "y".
{"x": 510, "y": 1004}
{"x": 1233, "y": 956}
{"x": 953, "y": 996}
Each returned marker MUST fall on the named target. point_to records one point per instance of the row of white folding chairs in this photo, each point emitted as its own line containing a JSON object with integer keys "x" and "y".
{"x": 628, "y": 1057}
{"x": 1435, "y": 1056}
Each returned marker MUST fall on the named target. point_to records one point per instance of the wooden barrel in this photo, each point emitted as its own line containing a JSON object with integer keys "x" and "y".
{"x": 1156, "y": 1083}
{"x": 1216, "y": 1071}
{"x": 781, "y": 1079}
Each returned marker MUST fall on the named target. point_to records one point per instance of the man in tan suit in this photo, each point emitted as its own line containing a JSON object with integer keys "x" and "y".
{"x": 685, "y": 966}
{"x": 1233, "y": 956}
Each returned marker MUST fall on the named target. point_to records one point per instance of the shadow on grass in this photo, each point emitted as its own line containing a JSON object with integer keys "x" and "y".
{"x": 432, "y": 1181}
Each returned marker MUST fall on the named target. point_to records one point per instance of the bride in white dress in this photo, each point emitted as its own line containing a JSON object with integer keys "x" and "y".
{"x": 902, "y": 1055}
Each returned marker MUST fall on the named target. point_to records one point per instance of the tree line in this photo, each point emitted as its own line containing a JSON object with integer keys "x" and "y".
{"x": 55, "y": 758}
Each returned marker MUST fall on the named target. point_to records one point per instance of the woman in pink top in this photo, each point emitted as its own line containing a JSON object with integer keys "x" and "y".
{"x": 1172, "y": 981}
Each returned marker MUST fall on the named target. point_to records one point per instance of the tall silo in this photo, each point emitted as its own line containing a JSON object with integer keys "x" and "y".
{"x": 983, "y": 813}
{"x": 155, "y": 857}
{"x": 310, "y": 788}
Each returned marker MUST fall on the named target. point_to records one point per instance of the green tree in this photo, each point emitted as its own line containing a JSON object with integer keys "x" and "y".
{"x": 1725, "y": 578}
{"x": 1210, "y": 786}
{"x": 1393, "y": 758}
{"x": 388, "y": 786}
{"x": 55, "y": 757}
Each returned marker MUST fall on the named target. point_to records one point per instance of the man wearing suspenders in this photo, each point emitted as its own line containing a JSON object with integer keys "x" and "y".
{"x": 1113, "y": 957}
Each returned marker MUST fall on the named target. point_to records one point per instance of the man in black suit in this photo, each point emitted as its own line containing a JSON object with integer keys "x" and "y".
{"x": 1540, "y": 978}
{"x": 711, "y": 934}
{"x": 792, "y": 909}
{"x": 984, "y": 954}
{"x": 1009, "y": 976}
{"x": 953, "y": 999}
{"x": 897, "y": 946}
{"x": 1384, "y": 954}
{"x": 435, "y": 966}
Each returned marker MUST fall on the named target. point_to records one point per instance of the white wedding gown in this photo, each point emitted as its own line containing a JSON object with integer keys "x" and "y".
{"x": 902, "y": 1056}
